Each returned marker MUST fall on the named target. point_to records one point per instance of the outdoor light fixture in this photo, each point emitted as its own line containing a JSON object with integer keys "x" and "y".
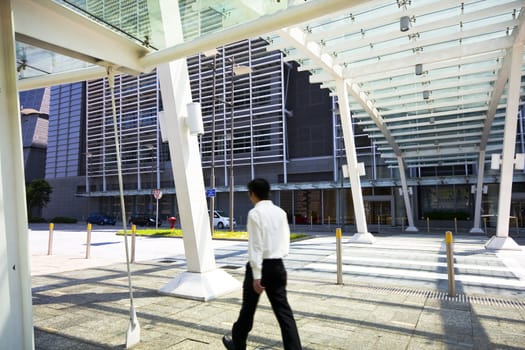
{"x": 194, "y": 119}
{"x": 419, "y": 69}
{"x": 236, "y": 70}
{"x": 404, "y": 23}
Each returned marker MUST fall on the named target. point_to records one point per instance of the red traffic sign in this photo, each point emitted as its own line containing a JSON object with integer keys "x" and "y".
{"x": 157, "y": 193}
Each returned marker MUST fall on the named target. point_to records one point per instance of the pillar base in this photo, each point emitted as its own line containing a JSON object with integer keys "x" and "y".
{"x": 476, "y": 230}
{"x": 411, "y": 229}
{"x": 201, "y": 286}
{"x": 502, "y": 243}
{"x": 366, "y": 238}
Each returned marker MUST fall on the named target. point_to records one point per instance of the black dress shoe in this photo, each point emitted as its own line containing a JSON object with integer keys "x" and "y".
{"x": 228, "y": 342}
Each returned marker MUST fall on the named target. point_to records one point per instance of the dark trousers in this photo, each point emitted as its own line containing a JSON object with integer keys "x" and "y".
{"x": 274, "y": 281}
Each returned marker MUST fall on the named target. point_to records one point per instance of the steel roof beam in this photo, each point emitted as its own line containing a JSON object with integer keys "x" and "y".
{"x": 348, "y": 56}
{"x": 454, "y": 112}
{"x": 427, "y": 57}
{"x": 50, "y": 26}
{"x": 432, "y": 66}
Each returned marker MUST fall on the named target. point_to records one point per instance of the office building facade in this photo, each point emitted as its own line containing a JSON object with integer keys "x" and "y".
{"x": 284, "y": 129}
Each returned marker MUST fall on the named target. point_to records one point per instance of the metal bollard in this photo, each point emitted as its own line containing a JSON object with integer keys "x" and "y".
{"x": 485, "y": 223}
{"x": 133, "y": 235}
{"x": 338, "y": 236}
{"x": 450, "y": 264}
{"x": 455, "y": 226}
{"x": 428, "y": 224}
{"x": 50, "y": 241}
{"x": 88, "y": 240}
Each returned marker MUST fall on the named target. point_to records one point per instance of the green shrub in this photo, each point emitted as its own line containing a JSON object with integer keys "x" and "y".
{"x": 63, "y": 220}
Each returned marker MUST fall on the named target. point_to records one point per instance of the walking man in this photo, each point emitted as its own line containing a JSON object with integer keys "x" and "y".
{"x": 268, "y": 243}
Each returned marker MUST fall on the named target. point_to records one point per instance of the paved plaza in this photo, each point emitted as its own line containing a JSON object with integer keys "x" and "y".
{"x": 394, "y": 294}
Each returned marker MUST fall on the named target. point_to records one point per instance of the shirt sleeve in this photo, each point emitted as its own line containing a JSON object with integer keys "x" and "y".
{"x": 255, "y": 244}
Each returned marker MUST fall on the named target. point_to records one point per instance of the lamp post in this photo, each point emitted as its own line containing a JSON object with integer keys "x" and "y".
{"x": 236, "y": 70}
{"x": 88, "y": 186}
{"x": 212, "y": 176}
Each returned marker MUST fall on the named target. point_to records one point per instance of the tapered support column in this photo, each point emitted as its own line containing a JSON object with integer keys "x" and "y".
{"x": 479, "y": 194}
{"x": 502, "y": 239}
{"x": 362, "y": 235}
{"x": 410, "y": 215}
{"x": 16, "y": 315}
{"x": 202, "y": 281}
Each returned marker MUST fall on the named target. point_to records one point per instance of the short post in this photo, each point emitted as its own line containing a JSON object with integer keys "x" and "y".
{"x": 338, "y": 236}
{"x": 50, "y": 241}
{"x": 517, "y": 225}
{"x": 311, "y": 223}
{"x": 456, "y": 226}
{"x": 450, "y": 264}
{"x": 485, "y": 223}
{"x": 328, "y": 221}
{"x": 402, "y": 224}
{"x": 428, "y": 224}
{"x": 378, "y": 224}
{"x": 133, "y": 235}
{"x": 88, "y": 241}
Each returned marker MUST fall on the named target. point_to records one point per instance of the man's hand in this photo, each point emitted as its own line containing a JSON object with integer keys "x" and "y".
{"x": 257, "y": 286}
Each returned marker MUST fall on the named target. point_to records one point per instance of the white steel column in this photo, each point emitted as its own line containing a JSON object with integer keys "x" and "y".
{"x": 410, "y": 215}
{"x": 16, "y": 315}
{"x": 362, "y": 235}
{"x": 502, "y": 239}
{"x": 479, "y": 194}
{"x": 202, "y": 281}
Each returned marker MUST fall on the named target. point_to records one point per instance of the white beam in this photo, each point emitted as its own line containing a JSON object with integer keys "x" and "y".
{"x": 16, "y": 314}
{"x": 518, "y": 35}
{"x": 479, "y": 194}
{"x": 432, "y": 66}
{"x": 48, "y": 25}
{"x": 408, "y": 207}
{"x": 466, "y": 50}
{"x": 502, "y": 239}
{"x": 430, "y": 123}
{"x": 348, "y": 56}
{"x": 362, "y": 235}
{"x": 202, "y": 281}
{"x": 418, "y": 116}
{"x": 41, "y": 81}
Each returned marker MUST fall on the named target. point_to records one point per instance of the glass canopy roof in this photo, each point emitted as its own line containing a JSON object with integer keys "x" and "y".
{"x": 425, "y": 76}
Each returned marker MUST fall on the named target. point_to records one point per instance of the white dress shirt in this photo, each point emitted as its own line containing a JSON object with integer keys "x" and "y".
{"x": 268, "y": 235}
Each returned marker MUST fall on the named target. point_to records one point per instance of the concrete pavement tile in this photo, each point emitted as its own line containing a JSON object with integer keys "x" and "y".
{"x": 392, "y": 341}
{"x": 424, "y": 343}
{"x": 56, "y": 342}
{"x": 446, "y": 304}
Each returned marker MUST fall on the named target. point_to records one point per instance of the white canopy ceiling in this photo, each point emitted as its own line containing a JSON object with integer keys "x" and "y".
{"x": 426, "y": 78}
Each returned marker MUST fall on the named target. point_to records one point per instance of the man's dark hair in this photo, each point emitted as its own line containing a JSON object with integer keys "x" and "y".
{"x": 259, "y": 187}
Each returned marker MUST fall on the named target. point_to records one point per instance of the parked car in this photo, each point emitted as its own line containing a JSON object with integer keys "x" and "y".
{"x": 144, "y": 220}
{"x": 101, "y": 219}
{"x": 221, "y": 220}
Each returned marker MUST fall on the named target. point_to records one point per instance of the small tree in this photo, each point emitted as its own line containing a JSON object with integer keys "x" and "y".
{"x": 37, "y": 195}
